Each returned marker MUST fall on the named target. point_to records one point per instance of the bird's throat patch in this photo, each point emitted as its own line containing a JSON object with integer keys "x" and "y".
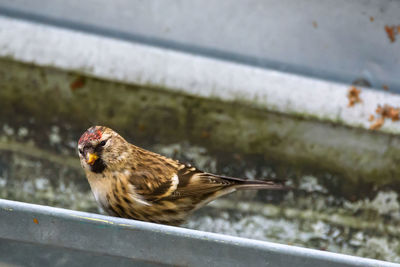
{"x": 98, "y": 166}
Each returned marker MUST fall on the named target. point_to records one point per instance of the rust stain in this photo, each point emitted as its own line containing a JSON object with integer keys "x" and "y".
{"x": 377, "y": 124}
{"x": 385, "y": 112}
{"x": 205, "y": 134}
{"x": 392, "y": 31}
{"x": 141, "y": 127}
{"x": 354, "y": 96}
{"x": 389, "y": 112}
{"x": 79, "y": 82}
{"x": 371, "y": 117}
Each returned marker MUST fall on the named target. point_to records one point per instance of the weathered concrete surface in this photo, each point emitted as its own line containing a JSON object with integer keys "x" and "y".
{"x": 49, "y": 108}
{"x": 342, "y": 174}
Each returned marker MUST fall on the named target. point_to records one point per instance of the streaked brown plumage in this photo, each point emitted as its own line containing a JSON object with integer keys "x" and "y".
{"x": 131, "y": 182}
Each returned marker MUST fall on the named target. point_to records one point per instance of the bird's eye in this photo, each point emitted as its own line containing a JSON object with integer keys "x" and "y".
{"x": 81, "y": 151}
{"x": 103, "y": 143}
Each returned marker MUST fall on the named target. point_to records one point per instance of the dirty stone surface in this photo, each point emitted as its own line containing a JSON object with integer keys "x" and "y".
{"x": 346, "y": 180}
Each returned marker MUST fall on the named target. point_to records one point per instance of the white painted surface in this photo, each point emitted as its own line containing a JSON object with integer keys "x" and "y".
{"x": 128, "y": 62}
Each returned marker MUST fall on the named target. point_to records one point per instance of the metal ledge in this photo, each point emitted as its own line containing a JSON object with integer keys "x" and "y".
{"x": 337, "y": 40}
{"x": 57, "y": 237}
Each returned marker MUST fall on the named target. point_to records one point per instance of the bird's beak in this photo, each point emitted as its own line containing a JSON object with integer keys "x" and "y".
{"x": 92, "y": 157}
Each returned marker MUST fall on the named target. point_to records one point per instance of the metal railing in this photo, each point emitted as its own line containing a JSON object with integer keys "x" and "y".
{"x": 46, "y": 236}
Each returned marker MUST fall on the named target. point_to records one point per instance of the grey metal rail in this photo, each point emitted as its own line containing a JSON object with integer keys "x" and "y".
{"x": 34, "y": 235}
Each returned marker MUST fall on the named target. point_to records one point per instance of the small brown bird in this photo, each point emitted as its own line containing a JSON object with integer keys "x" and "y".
{"x": 131, "y": 182}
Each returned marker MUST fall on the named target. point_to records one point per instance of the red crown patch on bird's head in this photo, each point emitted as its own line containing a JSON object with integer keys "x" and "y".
{"x": 90, "y": 135}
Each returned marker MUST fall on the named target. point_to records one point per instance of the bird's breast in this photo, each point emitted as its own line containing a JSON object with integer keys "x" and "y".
{"x": 101, "y": 186}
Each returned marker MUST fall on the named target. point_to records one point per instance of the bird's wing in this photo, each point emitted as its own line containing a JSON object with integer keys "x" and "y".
{"x": 185, "y": 180}
{"x": 162, "y": 178}
{"x": 193, "y": 182}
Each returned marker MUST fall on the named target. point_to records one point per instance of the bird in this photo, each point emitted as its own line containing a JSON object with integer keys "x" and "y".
{"x": 130, "y": 182}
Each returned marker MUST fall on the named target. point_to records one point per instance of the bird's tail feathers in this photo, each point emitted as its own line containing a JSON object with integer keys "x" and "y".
{"x": 257, "y": 185}
{"x": 276, "y": 184}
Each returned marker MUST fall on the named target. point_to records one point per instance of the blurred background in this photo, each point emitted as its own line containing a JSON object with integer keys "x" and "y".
{"x": 306, "y": 91}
